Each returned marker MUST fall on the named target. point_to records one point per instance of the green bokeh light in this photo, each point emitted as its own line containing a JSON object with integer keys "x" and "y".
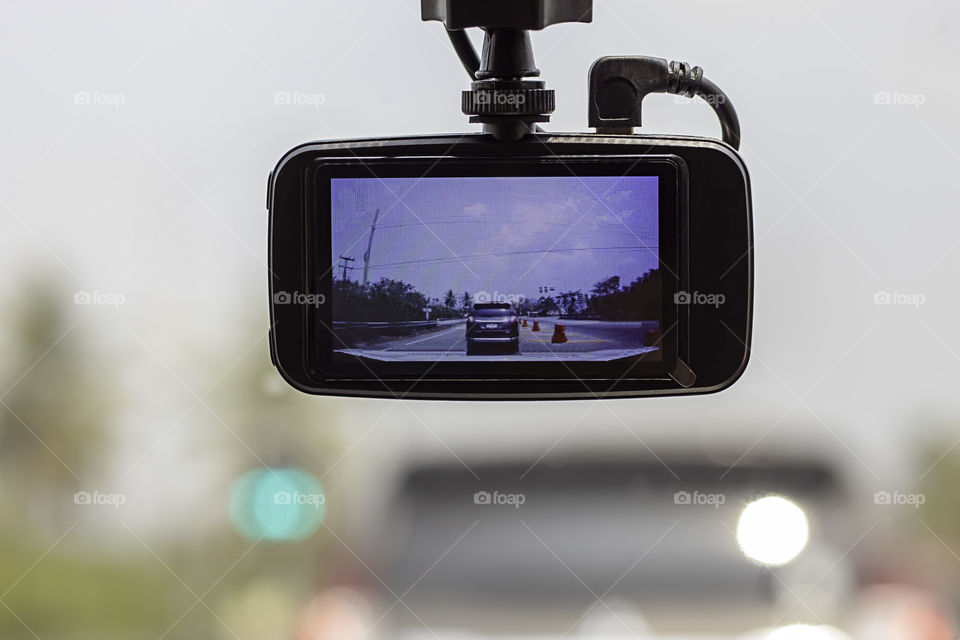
{"x": 277, "y": 504}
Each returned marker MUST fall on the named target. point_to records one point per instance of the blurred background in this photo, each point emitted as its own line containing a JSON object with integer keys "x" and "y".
{"x": 158, "y": 479}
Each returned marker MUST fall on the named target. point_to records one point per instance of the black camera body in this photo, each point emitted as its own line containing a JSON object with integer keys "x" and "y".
{"x": 696, "y": 340}
{"x": 516, "y": 263}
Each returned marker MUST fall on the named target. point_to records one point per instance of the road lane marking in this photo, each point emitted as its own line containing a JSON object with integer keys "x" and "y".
{"x": 575, "y": 338}
{"x": 430, "y": 337}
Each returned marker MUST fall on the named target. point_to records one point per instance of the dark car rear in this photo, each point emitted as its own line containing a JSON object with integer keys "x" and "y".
{"x": 578, "y": 527}
{"x": 493, "y": 326}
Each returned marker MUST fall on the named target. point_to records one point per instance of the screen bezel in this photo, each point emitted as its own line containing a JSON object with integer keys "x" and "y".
{"x": 320, "y": 342}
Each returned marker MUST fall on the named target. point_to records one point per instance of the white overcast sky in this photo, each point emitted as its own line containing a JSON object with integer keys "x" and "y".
{"x": 156, "y": 188}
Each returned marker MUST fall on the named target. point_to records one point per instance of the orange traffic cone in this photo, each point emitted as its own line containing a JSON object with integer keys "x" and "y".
{"x": 524, "y": 322}
{"x": 536, "y": 325}
{"x": 559, "y": 334}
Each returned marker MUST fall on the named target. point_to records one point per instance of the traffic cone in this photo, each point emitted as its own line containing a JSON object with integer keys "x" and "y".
{"x": 536, "y": 325}
{"x": 559, "y": 334}
{"x": 524, "y": 322}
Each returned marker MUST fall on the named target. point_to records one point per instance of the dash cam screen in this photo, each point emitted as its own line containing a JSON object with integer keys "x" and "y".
{"x": 456, "y": 269}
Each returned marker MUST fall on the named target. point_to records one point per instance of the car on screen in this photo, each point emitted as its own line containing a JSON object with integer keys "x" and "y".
{"x": 493, "y": 327}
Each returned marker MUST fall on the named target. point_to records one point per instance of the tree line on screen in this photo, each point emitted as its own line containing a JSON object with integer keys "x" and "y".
{"x": 389, "y": 300}
{"x": 607, "y": 300}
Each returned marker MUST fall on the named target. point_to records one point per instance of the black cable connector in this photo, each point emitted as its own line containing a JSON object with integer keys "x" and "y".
{"x": 618, "y": 85}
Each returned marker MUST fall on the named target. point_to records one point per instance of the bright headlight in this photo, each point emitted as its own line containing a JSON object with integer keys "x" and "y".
{"x": 772, "y": 530}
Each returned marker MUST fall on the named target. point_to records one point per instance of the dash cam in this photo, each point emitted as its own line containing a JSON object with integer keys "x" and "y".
{"x": 514, "y": 263}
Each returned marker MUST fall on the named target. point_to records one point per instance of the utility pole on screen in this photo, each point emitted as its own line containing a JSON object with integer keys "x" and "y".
{"x": 366, "y": 256}
{"x": 344, "y": 264}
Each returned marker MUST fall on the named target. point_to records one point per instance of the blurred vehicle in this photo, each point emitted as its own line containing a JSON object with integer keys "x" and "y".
{"x": 604, "y": 547}
{"x": 493, "y": 324}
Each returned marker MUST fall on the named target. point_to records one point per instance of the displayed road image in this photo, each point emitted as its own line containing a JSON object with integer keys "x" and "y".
{"x": 587, "y": 340}
{"x": 504, "y": 269}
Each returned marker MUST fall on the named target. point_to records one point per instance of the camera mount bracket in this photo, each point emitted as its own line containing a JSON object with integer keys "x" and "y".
{"x": 503, "y": 97}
